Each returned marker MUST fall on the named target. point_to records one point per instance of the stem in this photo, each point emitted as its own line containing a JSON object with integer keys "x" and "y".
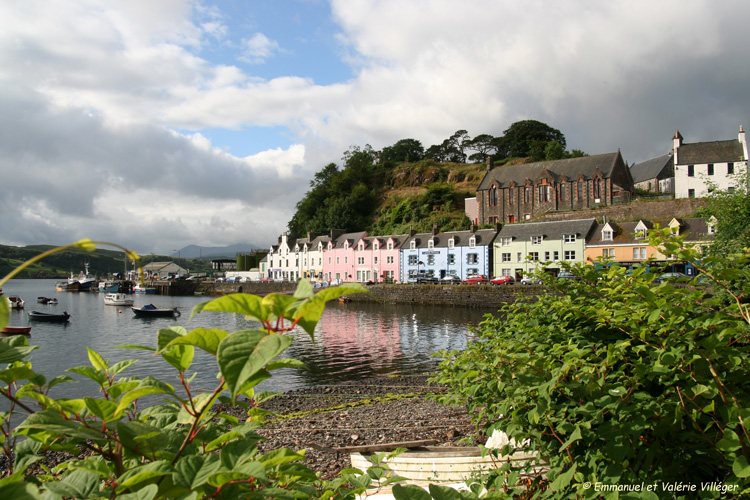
{"x": 194, "y": 426}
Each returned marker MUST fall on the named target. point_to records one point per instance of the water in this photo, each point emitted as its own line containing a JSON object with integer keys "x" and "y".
{"x": 352, "y": 341}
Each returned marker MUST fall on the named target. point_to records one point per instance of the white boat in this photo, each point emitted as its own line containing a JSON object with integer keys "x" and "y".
{"x": 85, "y": 280}
{"x": 117, "y": 299}
{"x": 15, "y": 302}
{"x": 144, "y": 289}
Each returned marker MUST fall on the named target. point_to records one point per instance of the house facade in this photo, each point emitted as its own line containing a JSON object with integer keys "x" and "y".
{"x": 703, "y": 166}
{"x": 453, "y": 253}
{"x": 522, "y": 249}
{"x": 514, "y": 193}
{"x": 339, "y": 259}
{"x": 309, "y": 252}
{"x": 384, "y": 259}
{"x": 655, "y": 175}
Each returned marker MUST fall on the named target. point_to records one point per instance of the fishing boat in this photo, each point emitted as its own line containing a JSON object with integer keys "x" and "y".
{"x": 16, "y": 330}
{"x": 84, "y": 279}
{"x": 15, "y": 302}
{"x": 49, "y": 317}
{"x": 151, "y": 311}
{"x": 46, "y": 300}
{"x": 117, "y": 299}
{"x": 109, "y": 286}
{"x": 144, "y": 289}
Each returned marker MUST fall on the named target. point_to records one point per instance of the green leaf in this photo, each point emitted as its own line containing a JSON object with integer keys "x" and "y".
{"x": 563, "y": 480}
{"x": 193, "y": 471}
{"x": 244, "y": 353}
{"x": 740, "y": 466}
{"x": 202, "y": 338}
{"x": 20, "y": 490}
{"x": 439, "y": 492}
{"x": 89, "y": 372}
{"x": 14, "y": 348}
{"x": 102, "y": 408}
{"x": 148, "y": 492}
{"x": 142, "y": 473}
{"x": 96, "y": 360}
{"x": 77, "y": 484}
{"x": 238, "y": 303}
{"x": 17, "y": 373}
{"x": 147, "y": 386}
{"x": 121, "y": 366}
{"x": 286, "y": 363}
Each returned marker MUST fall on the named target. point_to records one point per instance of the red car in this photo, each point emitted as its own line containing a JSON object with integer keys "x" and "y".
{"x": 502, "y": 280}
{"x": 476, "y": 279}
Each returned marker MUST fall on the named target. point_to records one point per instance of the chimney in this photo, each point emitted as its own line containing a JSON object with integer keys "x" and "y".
{"x": 412, "y": 232}
{"x": 498, "y": 227}
{"x": 489, "y": 163}
{"x": 473, "y": 228}
{"x": 435, "y": 229}
{"x": 676, "y": 143}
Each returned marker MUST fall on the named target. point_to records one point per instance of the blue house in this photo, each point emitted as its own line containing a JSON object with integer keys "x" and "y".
{"x": 453, "y": 253}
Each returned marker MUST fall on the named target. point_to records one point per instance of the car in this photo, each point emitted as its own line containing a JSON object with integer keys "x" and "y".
{"x": 567, "y": 275}
{"x": 502, "y": 280}
{"x": 476, "y": 279}
{"x": 672, "y": 276}
{"x": 423, "y": 278}
{"x": 530, "y": 280}
{"x": 450, "y": 280}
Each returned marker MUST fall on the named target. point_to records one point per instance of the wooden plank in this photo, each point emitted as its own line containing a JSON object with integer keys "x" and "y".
{"x": 367, "y": 448}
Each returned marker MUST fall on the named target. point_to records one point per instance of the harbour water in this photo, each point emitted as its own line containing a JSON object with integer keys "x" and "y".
{"x": 352, "y": 340}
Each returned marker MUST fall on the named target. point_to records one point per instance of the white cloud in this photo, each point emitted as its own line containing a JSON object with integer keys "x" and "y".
{"x": 258, "y": 48}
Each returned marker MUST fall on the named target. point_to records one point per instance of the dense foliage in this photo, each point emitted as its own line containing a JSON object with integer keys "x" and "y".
{"x": 616, "y": 382}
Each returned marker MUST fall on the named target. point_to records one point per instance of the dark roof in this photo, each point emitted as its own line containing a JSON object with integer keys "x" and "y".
{"x": 710, "y": 152}
{"x": 353, "y": 238}
{"x": 483, "y": 237}
{"x": 649, "y": 169}
{"x": 570, "y": 168}
{"x": 694, "y": 230}
{"x": 552, "y": 229}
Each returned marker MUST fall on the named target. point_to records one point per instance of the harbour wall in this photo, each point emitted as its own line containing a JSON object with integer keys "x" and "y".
{"x": 479, "y": 296}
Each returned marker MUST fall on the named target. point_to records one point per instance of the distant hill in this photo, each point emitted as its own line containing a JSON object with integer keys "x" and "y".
{"x": 228, "y": 252}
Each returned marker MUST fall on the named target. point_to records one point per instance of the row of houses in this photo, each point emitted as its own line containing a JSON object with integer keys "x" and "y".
{"x": 516, "y": 193}
{"x": 511, "y": 250}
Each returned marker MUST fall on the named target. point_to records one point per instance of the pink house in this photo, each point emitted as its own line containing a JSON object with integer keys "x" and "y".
{"x": 339, "y": 258}
{"x": 383, "y": 262}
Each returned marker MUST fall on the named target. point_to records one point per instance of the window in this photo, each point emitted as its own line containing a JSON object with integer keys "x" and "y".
{"x": 361, "y": 261}
{"x": 506, "y": 271}
{"x": 536, "y": 240}
{"x": 431, "y": 260}
{"x": 451, "y": 243}
{"x": 534, "y": 256}
{"x": 346, "y": 259}
{"x": 608, "y": 252}
{"x": 526, "y": 195}
{"x": 691, "y": 193}
{"x": 570, "y": 255}
{"x": 580, "y": 190}
{"x": 492, "y": 219}
{"x": 691, "y": 171}
{"x": 430, "y": 243}
{"x": 730, "y": 168}
{"x": 511, "y": 196}
{"x": 375, "y": 261}
{"x": 390, "y": 245}
{"x": 607, "y": 235}
{"x": 563, "y": 192}
{"x": 546, "y": 256}
{"x": 472, "y": 242}
{"x": 413, "y": 245}
{"x": 505, "y": 241}
{"x": 519, "y": 257}
{"x": 361, "y": 246}
{"x": 389, "y": 259}
{"x": 376, "y": 245}
{"x": 543, "y": 194}
{"x": 506, "y": 257}
{"x": 639, "y": 253}
{"x": 451, "y": 259}
{"x": 556, "y": 255}
{"x": 337, "y": 260}
{"x": 569, "y": 238}
{"x": 597, "y": 188}
{"x": 329, "y": 260}
{"x": 413, "y": 260}
{"x": 472, "y": 258}
{"x": 710, "y": 169}
{"x": 493, "y": 196}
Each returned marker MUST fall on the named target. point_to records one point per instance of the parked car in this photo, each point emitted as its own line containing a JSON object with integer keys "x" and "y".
{"x": 423, "y": 278}
{"x": 530, "y": 280}
{"x": 567, "y": 275}
{"x": 502, "y": 280}
{"x": 669, "y": 277}
{"x": 476, "y": 279}
{"x": 450, "y": 280}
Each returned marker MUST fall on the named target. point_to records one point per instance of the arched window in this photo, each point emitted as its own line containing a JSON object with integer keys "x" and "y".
{"x": 511, "y": 195}
{"x": 493, "y": 196}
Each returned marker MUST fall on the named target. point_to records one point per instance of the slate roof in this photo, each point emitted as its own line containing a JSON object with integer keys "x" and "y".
{"x": 353, "y": 238}
{"x": 550, "y": 230}
{"x": 398, "y": 240}
{"x": 694, "y": 230}
{"x": 571, "y": 168}
{"x": 710, "y": 152}
{"x": 460, "y": 238}
{"x": 650, "y": 169}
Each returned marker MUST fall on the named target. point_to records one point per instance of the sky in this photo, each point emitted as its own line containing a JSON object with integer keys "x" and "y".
{"x": 160, "y": 124}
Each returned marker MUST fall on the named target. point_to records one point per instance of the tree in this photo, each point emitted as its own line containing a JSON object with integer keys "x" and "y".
{"x": 617, "y": 381}
{"x": 409, "y": 150}
{"x": 730, "y": 208}
{"x": 518, "y": 139}
{"x": 554, "y": 151}
{"x": 485, "y": 145}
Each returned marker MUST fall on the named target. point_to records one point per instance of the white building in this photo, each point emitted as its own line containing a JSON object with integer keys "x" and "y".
{"x": 702, "y": 166}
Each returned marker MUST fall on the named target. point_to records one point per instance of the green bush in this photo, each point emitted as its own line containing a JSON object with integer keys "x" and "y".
{"x": 611, "y": 380}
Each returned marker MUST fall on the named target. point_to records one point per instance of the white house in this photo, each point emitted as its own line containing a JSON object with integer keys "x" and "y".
{"x": 702, "y": 166}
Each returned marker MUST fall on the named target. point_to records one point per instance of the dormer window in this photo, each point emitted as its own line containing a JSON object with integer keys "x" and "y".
{"x": 569, "y": 238}
{"x": 361, "y": 246}
{"x": 430, "y": 243}
{"x": 413, "y": 245}
{"x": 376, "y": 245}
{"x": 472, "y": 242}
{"x": 607, "y": 235}
{"x": 537, "y": 240}
{"x": 390, "y": 245}
{"x": 451, "y": 243}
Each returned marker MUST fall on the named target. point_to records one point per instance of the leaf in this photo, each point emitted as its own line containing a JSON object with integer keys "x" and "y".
{"x": 563, "y": 480}
{"x": 96, "y": 360}
{"x": 244, "y": 353}
{"x": 740, "y": 467}
{"x": 238, "y": 303}
{"x": 77, "y": 484}
{"x": 202, "y": 338}
{"x": 102, "y": 408}
{"x": 17, "y": 373}
{"x": 193, "y": 471}
{"x": 439, "y": 492}
{"x": 148, "y": 492}
{"x": 729, "y": 441}
{"x": 142, "y": 473}
{"x": 14, "y": 348}
{"x": 89, "y": 372}
{"x": 20, "y": 490}
{"x": 122, "y": 366}
{"x": 147, "y": 386}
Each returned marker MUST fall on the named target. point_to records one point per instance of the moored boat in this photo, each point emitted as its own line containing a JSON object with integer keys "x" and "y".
{"x": 109, "y": 286}
{"x": 15, "y": 302}
{"x": 49, "y": 317}
{"x": 144, "y": 289}
{"x": 117, "y": 299}
{"x": 46, "y": 300}
{"x": 16, "y": 330}
{"x": 151, "y": 311}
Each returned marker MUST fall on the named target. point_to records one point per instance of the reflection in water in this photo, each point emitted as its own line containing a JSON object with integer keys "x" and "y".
{"x": 352, "y": 341}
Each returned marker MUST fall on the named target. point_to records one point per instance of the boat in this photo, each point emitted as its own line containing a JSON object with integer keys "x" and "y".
{"x": 15, "y": 302}
{"x": 109, "y": 286}
{"x": 84, "y": 279}
{"x": 16, "y": 330}
{"x": 144, "y": 289}
{"x": 344, "y": 299}
{"x": 117, "y": 299}
{"x": 151, "y": 311}
{"x": 49, "y": 317}
{"x": 46, "y": 300}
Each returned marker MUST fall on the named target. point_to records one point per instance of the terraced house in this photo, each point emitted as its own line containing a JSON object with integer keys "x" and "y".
{"x": 309, "y": 252}
{"x": 522, "y": 249}
{"x": 453, "y": 253}
{"x": 514, "y": 193}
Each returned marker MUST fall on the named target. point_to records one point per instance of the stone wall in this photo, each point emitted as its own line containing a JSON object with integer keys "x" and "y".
{"x": 642, "y": 209}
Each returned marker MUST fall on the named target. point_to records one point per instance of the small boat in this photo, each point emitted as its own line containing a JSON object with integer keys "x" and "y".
{"x": 49, "y": 317}
{"x": 151, "y": 311}
{"x": 117, "y": 299}
{"x": 85, "y": 280}
{"x": 144, "y": 289}
{"x": 109, "y": 286}
{"x": 16, "y": 330}
{"x": 15, "y": 302}
{"x": 46, "y": 300}
{"x": 344, "y": 299}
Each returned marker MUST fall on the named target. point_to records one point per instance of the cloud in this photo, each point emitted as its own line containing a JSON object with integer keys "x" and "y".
{"x": 258, "y": 48}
